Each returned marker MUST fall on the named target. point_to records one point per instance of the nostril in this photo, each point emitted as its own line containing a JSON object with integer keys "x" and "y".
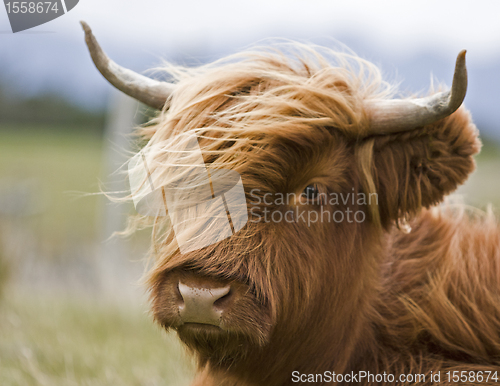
{"x": 178, "y": 295}
{"x": 222, "y": 301}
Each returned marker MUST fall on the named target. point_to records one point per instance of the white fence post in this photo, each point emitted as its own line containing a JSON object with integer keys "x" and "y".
{"x": 118, "y": 275}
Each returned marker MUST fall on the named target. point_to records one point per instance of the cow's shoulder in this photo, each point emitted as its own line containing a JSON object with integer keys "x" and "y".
{"x": 441, "y": 284}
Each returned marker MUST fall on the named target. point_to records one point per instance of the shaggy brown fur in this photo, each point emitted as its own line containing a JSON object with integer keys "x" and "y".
{"x": 326, "y": 296}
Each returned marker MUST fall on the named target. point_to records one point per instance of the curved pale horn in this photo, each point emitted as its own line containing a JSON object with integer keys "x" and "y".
{"x": 397, "y": 115}
{"x": 148, "y": 91}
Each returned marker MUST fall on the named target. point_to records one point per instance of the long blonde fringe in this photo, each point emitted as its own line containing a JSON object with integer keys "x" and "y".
{"x": 236, "y": 104}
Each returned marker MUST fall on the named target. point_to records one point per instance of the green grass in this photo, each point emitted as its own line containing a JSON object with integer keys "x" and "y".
{"x": 56, "y": 164}
{"x": 69, "y": 340}
{"x": 76, "y": 342}
{"x": 483, "y": 186}
{"x": 4, "y": 273}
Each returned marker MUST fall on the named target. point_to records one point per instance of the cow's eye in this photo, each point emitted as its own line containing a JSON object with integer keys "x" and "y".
{"x": 311, "y": 192}
{"x": 314, "y": 194}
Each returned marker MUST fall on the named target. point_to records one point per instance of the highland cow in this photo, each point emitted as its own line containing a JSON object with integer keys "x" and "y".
{"x": 404, "y": 291}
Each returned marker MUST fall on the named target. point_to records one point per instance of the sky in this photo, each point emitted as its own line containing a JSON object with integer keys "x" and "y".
{"x": 404, "y": 26}
{"x": 414, "y": 38}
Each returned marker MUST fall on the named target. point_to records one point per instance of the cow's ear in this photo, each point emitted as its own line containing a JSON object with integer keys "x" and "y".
{"x": 419, "y": 168}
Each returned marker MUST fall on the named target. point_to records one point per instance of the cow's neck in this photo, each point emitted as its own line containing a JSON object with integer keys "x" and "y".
{"x": 311, "y": 352}
{"x": 330, "y": 339}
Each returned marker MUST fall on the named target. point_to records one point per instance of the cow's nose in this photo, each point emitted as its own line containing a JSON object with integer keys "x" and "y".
{"x": 200, "y": 304}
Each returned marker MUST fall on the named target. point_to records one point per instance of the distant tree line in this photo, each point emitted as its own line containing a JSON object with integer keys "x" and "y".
{"x": 48, "y": 110}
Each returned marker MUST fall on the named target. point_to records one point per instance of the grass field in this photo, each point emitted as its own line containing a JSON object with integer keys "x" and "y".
{"x": 483, "y": 186}
{"x": 72, "y": 339}
{"x": 55, "y": 165}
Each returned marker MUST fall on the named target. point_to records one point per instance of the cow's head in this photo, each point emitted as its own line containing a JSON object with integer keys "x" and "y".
{"x": 329, "y": 164}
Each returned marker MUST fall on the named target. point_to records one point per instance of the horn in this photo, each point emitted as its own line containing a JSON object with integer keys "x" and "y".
{"x": 397, "y": 115}
{"x": 148, "y": 91}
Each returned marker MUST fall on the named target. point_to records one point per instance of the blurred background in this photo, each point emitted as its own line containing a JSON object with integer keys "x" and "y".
{"x": 72, "y": 310}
